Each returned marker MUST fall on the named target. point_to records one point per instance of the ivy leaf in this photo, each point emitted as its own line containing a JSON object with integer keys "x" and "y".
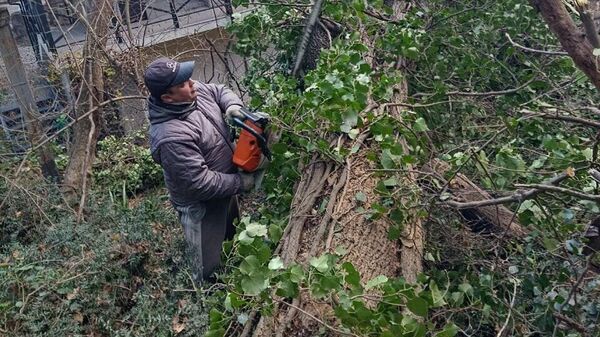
{"x": 420, "y": 125}
{"x": 255, "y": 284}
{"x": 436, "y": 295}
{"x": 418, "y": 306}
{"x": 255, "y": 229}
{"x": 391, "y": 182}
{"x": 376, "y": 281}
{"x": 321, "y": 263}
{"x": 352, "y": 276}
{"x": 250, "y": 265}
{"x": 360, "y": 196}
{"x": 450, "y": 330}
{"x": 244, "y": 238}
{"x": 276, "y": 263}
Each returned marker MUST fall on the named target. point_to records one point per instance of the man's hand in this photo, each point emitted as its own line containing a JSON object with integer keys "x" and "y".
{"x": 247, "y": 181}
{"x": 233, "y": 112}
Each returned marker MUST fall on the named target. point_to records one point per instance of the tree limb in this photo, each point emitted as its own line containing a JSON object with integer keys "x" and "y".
{"x": 545, "y": 52}
{"x": 588, "y": 23}
{"x": 571, "y": 38}
{"x": 563, "y": 190}
{"x": 566, "y": 118}
{"x": 517, "y": 196}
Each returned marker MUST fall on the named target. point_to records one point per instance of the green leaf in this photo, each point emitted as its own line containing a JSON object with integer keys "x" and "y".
{"x": 436, "y": 295}
{"x": 450, "y": 330}
{"x": 296, "y": 274}
{"x": 256, "y": 229}
{"x": 418, "y": 306}
{"x": 391, "y": 182}
{"x": 378, "y": 280}
{"x": 360, "y": 196}
{"x": 420, "y": 125}
{"x": 255, "y": 284}
{"x": 244, "y": 238}
{"x": 321, "y": 263}
{"x": 275, "y": 232}
{"x": 352, "y": 276}
{"x": 596, "y": 52}
{"x": 250, "y": 265}
{"x": 276, "y": 263}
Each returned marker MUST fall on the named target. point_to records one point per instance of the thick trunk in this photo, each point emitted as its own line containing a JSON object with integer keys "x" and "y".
{"x": 85, "y": 133}
{"x": 570, "y": 36}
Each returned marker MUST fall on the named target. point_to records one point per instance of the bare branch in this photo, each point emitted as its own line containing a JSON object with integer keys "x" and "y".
{"x": 545, "y": 52}
{"x": 566, "y": 118}
{"x": 558, "y": 189}
{"x": 571, "y": 38}
{"x": 515, "y": 197}
{"x": 490, "y": 93}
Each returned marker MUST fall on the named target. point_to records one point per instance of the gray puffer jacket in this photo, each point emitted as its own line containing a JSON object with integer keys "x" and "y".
{"x": 192, "y": 144}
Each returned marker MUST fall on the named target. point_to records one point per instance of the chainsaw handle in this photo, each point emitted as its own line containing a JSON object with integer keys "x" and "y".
{"x": 262, "y": 142}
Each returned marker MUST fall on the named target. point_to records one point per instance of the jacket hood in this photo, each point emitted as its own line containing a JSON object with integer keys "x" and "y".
{"x": 159, "y": 112}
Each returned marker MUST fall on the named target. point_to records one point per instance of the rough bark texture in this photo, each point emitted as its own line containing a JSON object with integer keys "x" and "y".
{"x": 85, "y": 133}
{"x": 496, "y": 218}
{"x": 570, "y": 36}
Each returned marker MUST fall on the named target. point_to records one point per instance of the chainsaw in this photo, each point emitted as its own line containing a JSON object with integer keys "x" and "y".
{"x": 252, "y": 142}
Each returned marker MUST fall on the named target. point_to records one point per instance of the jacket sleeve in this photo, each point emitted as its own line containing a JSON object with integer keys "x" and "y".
{"x": 185, "y": 168}
{"x": 224, "y": 96}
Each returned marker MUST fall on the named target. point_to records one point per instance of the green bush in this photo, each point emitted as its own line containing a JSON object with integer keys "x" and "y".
{"x": 121, "y": 273}
{"x": 125, "y": 164}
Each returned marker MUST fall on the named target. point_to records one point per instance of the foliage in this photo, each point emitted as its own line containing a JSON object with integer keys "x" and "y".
{"x": 125, "y": 165}
{"x": 459, "y": 52}
{"x": 120, "y": 274}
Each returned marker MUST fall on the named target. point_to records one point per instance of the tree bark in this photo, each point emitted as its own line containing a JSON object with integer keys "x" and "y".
{"x": 570, "y": 36}
{"x": 25, "y": 96}
{"x": 85, "y": 133}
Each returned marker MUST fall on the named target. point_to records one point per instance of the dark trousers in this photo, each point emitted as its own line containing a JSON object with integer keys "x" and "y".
{"x": 205, "y": 227}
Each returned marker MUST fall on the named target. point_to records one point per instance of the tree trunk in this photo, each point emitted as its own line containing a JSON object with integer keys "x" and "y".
{"x": 570, "y": 36}
{"x": 85, "y": 133}
{"x": 365, "y": 242}
{"x": 25, "y": 96}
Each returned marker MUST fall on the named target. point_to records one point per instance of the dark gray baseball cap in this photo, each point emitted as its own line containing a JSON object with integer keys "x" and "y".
{"x": 164, "y": 73}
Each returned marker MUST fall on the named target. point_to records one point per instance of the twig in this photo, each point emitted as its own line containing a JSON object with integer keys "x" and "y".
{"x": 546, "y": 52}
{"x": 86, "y": 164}
{"x": 518, "y": 196}
{"x": 574, "y": 288}
{"x": 491, "y": 93}
{"x": 566, "y": 118}
{"x": 558, "y": 189}
{"x": 574, "y": 324}
{"x": 512, "y": 304}
{"x": 316, "y": 319}
{"x": 248, "y": 325}
{"x": 76, "y": 120}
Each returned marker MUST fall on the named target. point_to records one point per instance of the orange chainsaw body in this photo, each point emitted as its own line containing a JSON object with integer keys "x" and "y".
{"x": 247, "y": 154}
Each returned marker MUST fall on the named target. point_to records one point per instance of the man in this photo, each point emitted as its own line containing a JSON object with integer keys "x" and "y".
{"x": 190, "y": 140}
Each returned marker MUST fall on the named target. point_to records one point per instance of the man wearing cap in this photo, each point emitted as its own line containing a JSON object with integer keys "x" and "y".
{"x": 190, "y": 140}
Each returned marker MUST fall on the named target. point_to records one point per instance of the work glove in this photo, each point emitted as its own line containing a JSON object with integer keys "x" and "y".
{"x": 247, "y": 181}
{"x": 263, "y": 115}
{"x": 233, "y": 112}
